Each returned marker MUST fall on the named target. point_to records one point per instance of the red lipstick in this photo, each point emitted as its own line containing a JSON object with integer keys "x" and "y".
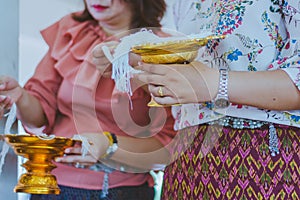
{"x": 99, "y": 7}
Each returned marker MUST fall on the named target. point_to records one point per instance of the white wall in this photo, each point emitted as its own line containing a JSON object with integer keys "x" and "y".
{"x": 8, "y": 66}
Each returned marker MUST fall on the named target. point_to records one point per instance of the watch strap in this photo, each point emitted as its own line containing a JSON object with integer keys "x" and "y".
{"x": 222, "y": 100}
{"x": 223, "y": 84}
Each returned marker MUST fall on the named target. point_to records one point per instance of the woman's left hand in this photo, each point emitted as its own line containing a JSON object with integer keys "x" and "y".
{"x": 179, "y": 83}
{"x": 102, "y": 59}
{"x": 98, "y": 146}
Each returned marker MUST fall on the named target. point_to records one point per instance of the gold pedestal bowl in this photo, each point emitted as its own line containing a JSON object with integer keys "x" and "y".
{"x": 39, "y": 151}
{"x": 172, "y": 52}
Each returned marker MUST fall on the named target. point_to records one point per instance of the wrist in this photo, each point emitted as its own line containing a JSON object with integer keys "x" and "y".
{"x": 206, "y": 86}
{"x": 221, "y": 100}
{"x": 214, "y": 85}
{"x": 21, "y": 95}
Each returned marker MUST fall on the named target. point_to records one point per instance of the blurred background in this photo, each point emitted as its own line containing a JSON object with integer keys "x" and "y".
{"x": 21, "y": 48}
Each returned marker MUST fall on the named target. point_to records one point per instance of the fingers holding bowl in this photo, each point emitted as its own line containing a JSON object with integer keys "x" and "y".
{"x": 162, "y": 95}
{"x": 73, "y": 156}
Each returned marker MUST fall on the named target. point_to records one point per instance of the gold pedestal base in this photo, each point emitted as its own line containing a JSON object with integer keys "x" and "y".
{"x": 37, "y": 184}
{"x": 40, "y": 152}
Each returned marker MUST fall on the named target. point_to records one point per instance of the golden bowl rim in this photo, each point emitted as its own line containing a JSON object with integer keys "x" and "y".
{"x": 176, "y": 46}
{"x": 10, "y": 136}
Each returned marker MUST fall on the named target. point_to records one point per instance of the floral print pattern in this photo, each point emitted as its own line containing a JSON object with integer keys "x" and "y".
{"x": 260, "y": 36}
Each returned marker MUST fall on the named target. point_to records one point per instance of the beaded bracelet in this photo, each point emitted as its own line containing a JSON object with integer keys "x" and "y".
{"x": 113, "y": 145}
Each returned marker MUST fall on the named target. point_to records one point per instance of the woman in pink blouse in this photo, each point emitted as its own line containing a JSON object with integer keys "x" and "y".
{"x": 239, "y": 122}
{"x": 68, "y": 96}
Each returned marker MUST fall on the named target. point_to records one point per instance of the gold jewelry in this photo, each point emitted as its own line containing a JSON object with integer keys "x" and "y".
{"x": 160, "y": 91}
{"x": 109, "y": 136}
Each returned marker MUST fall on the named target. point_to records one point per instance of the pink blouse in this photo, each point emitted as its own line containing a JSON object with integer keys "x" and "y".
{"x": 76, "y": 99}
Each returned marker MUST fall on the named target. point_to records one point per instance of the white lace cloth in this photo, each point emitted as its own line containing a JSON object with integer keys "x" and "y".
{"x": 11, "y": 118}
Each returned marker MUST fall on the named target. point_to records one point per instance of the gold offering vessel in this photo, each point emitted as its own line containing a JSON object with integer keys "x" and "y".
{"x": 39, "y": 151}
{"x": 171, "y": 52}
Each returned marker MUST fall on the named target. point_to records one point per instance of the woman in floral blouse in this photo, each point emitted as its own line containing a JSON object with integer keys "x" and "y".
{"x": 250, "y": 149}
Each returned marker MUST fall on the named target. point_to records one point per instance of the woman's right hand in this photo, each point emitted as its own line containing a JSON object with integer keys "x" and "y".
{"x": 98, "y": 144}
{"x": 102, "y": 59}
{"x": 10, "y": 93}
{"x": 179, "y": 83}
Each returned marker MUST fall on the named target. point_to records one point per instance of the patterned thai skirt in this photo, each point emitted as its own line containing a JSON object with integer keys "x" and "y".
{"x": 216, "y": 162}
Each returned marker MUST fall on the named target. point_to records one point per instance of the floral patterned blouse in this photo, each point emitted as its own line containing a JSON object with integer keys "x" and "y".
{"x": 260, "y": 35}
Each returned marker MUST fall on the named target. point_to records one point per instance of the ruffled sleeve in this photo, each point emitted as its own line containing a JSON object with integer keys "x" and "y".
{"x": 69, "y": 43}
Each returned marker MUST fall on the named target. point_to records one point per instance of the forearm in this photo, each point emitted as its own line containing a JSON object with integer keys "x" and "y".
{"x": 142, "y": 153}
{"x": 197, "y": 82}
{"x": 272, "y": 90}
{"x": 29, "y": 110}
{"x": 133, "y": 154}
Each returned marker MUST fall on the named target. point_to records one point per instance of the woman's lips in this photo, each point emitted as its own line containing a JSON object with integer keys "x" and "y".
{"x": 99, "y": 7}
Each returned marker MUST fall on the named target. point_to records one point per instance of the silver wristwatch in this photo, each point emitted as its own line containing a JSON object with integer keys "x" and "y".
{"x": 222, "y": 101}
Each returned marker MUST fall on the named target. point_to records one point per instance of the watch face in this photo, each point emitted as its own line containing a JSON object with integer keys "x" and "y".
{"x": 221, "y": 103}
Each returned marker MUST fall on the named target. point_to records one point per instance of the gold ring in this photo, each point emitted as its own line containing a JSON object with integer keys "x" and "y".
{"x": 160, "y": 91}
